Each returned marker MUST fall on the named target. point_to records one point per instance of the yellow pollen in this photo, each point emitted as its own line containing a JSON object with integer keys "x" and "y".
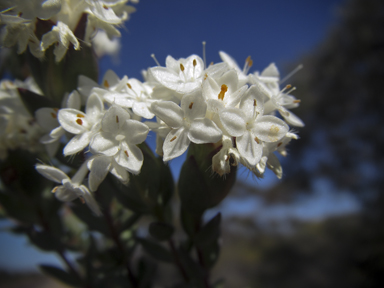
{"x": 173, "y": 139}
{"x": 117, "y": 119}
{"x": 182, "y": 67}
{"x": 297, "y": 101}
{"x": 106, "y": 84}
{"x": 79, "y": 121}
{"x": 194, "y": 62}
{"x": 249, "y": 61}
{"x": 190, "y": 105}
{"x": 224, "y": 88}
{"x": 126, "y": 153}
{"x": 54, "y": 115}
{"x": 80, "y": 115}
{"x": 257, "y": 140}
{"x": 129, "y": 86}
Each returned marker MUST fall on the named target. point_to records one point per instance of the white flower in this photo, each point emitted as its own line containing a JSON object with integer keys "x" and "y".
{"x": 100, "y": 165}
{"x": 251, "y": 129}
{"x": 62, "y": 35}
{"x": 223, "y": 92}
{"x": 119, "y": 137}
{"x": 242, "y": 74}
{"x": 70, "y": 188}
{"x": 182, "y": 76}
{"x": 188, "y": 124}
{"x": 84, "y": 125}
{"x": 47, "y": 119}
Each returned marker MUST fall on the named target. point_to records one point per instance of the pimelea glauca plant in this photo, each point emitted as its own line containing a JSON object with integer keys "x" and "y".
{"x": 90, "y": 138}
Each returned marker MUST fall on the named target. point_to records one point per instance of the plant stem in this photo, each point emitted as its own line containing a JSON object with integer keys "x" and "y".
{"x": 177, "y": 260}
{"x": 120, "y": 246}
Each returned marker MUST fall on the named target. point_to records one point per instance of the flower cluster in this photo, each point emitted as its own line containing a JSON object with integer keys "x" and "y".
{"x": 38, "y": 24}
{"x": 219, "y": 104}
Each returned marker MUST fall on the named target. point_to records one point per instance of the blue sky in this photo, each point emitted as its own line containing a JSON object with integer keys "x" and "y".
{"x": 270, "y": 31}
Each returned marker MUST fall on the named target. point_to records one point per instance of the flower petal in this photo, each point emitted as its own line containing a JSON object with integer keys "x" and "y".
{"x": 204, "y": 131}
{"x": 99, "y": 168}
{"x": 130, "y": 157}
{"x": 135, "y": 131}
{"x": 77, "y": 143}
{"x": 51, "y": 173}
{"x": 269, "y": 128}
{"x": 175, "y": 144}
{"x": 233, "y": 121}
{"x": 104, "y": 143}
{"x": 169, "y": 112}
{"x": 249, "y": 149}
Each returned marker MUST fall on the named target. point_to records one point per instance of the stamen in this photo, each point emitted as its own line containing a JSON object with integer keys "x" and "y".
{"x": 298, "y": 68}
{"x": 106, "y": 84}
{"x": 173, "y": 139}
{"x": 182, "y": 67}
{"x": 205, "y": 62}
{"x": 205, "y": 76}
{"x": 82, "y": 200}
{"x": 297, "y": 101}
{"x": 56, "y": 109}
{"x": 55, "y": 189}
{"x": 190, "y": 105}
{"x": 257, "y": 140}
{"x": 80, "y": 115}
{"x": 126, "y": 153}
{"x": 278, "y": 145}
{"x": 194, "y": 62}
{"x": 129, "y": 86}
{"x": 224, "y": 88}
{"x": 154, "y": 58}
{"x": 79, "y": 121}
{"x": 117, "y": 119}
{"x": 248, "y": 64}
{"x": 254, "y": 103}
{"x": 210, "y": 64}
{"x": 54, "y": 115}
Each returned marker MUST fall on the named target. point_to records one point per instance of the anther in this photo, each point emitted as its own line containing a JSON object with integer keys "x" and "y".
{"x": 254, "y": 103}
{"x": 54, "y": 115}
{"x": 55, "y": 189}
{"x": 80, "y": 115}
{"x": 278, "y": 145}
{"x": 205, "y": 62}
{"x": 297, "y": 101}
{"x": 190, "y": 105}
{"x": 173, "y": 139}
{"x": 154, "y": 58}
{"x": 224, "y": 88}
{"x": 182, "y": 67}
{"x": 194, "y": 62}
{"x": 79, "y": 121}
{"x": 82, "y": 200}
{"x": 126, "y": 153}
{"x": 106, "y": 84}
{"x": 129, "y": 86}
{"x": 117, "y": 119}
{"x": 257, "y": 140}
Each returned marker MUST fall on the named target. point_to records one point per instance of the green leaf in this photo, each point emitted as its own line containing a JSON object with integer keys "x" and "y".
{"x": 199, "y": 188}
{"x": 155, "y": 250}
{"x": 45, "y": 240}
{"x": 60, "y": 275}
{"x": 209, "y": 233}
{"x": 33, "y": 101}
{"x": 94, "y": 223}
{"x": 161, "y": 231}
{"x": 130, "y": 222}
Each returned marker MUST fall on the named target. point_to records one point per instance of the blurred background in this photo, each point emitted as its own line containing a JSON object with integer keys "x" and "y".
{"x": 322, "y": 224}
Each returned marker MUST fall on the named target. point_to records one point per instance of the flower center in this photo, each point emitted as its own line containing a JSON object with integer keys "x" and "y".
{"x": 119, "y": 137}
